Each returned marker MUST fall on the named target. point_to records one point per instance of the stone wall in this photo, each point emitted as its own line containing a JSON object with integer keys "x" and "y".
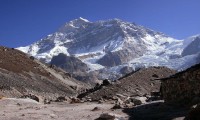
{"x": 182, "y": 88}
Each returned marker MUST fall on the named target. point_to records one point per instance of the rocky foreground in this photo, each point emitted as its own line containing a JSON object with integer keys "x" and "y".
{"x": 28, "y": 109}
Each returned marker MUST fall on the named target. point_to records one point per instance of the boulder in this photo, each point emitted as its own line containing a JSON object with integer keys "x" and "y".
{"x": 46, "y": 101}
{"x": 75, "y": 100}
{"x": 155, "y": 76}
{"x": 32, "y": 58}
{"x": 117, "y": 106}
{"x": 119, "y": 101}
{"x": 106, "y": 82}
{"x": 142, "y": 99}
{"x": 61, "y": 99}
{"x": 136, "y": 100}
{"x": 100, "y": 101}
{"x": 33, "y": 97}
{"x": 108, "y": 116}
{"x": 96, "y": 109}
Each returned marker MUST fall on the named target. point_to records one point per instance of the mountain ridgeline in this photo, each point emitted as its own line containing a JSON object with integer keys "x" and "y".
{"x": 104, "y": 49}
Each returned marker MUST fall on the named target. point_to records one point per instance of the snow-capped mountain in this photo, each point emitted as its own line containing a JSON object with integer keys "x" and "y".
{"x": 110, "y": 46}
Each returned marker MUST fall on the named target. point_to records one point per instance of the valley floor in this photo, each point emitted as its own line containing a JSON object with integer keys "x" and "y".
{"x": 27, "y": 109}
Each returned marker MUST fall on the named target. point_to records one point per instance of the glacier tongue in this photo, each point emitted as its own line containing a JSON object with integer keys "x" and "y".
{"x": 108, "y": 46}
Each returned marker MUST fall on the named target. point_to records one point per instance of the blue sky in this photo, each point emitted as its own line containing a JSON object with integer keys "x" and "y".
{"x": 23, "y": 22}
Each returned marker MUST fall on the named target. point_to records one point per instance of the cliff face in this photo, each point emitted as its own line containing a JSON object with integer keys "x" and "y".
{"x": 69, "y": 63}
{"x": 183, "y": 87}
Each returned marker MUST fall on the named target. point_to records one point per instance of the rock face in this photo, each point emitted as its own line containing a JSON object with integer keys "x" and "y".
{"x": 75, "y": 67}
{"x": 21, "y": 75}
{"x": 138, "y": 83}
{"x": 69, "y": 63}
{"x": 112, "y": 59}
{"x": 182, "y": 88}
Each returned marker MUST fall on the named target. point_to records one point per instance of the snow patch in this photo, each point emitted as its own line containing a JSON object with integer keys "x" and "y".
{"x": 24, "y": 49}
{"x": 108, "y": 25}
{"x": 84, "y": 19}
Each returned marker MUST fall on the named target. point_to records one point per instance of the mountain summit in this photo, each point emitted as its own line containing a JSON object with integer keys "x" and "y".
{"x": 73, "y": 25}
{"x": 113, "y": 47}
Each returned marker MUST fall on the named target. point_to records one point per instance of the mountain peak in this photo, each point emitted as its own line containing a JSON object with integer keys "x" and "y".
{"x": 72, "y": 25}
{"x": 112, "y": 45}
{"x": 114, "y": 20}
{"x": 79, "y": 20}
{"x": 83, "y": 19}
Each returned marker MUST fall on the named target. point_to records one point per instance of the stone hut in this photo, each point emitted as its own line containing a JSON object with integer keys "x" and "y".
{"x": 183, "y": 87}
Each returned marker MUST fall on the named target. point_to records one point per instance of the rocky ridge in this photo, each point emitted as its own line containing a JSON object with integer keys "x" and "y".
{"x": 140, "y": 83}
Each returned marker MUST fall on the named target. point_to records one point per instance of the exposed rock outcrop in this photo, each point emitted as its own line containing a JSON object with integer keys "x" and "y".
{"x": 69, "y": 63}
{"x": 119, "y": 57}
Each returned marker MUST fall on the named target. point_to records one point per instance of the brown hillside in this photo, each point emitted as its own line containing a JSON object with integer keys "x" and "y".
{"x": 21, "y": 74}
{"x": 135, "y": 84}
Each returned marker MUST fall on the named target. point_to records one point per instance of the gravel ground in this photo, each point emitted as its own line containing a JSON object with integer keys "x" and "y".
{"x": 27, "y": 109}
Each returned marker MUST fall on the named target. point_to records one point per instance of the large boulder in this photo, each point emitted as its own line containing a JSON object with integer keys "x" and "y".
{"x": 109, "y": 116}
{"x": 136, "y": 101}
{"x": 106, "y": 82}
